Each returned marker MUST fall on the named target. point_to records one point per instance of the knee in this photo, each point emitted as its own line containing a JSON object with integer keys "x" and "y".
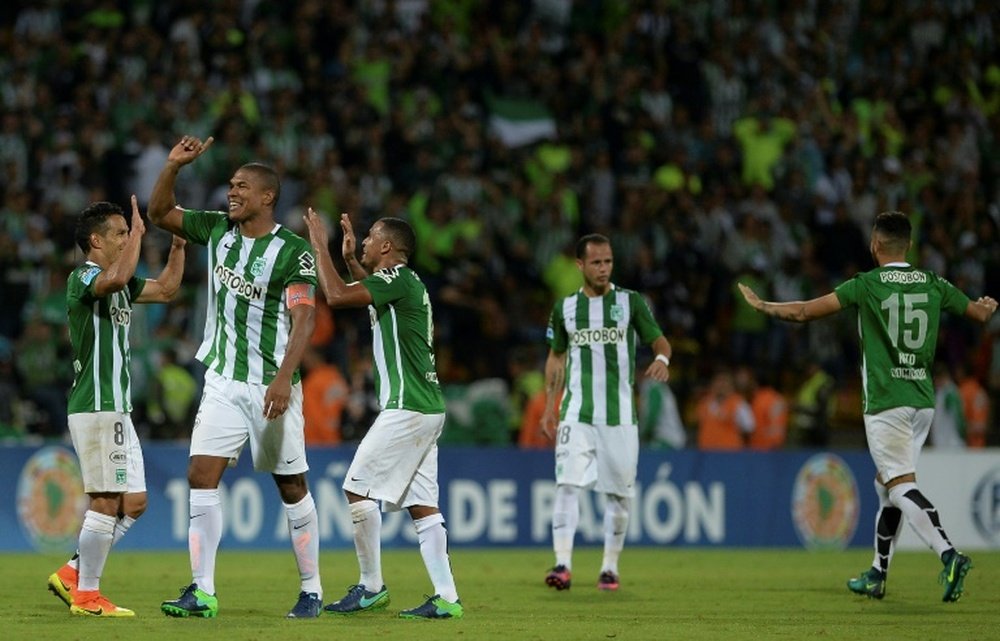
{"x": 292, "y": 488}
{"x": 134, "y": 505}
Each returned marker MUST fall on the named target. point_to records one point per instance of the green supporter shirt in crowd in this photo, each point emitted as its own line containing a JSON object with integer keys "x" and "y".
{"x": 899, "y": 309}
{"x": 248, "y": 324}
{"x": 98, "y": 332}
{"x": 402, "y": 341}
{"x": 600, "y": 334}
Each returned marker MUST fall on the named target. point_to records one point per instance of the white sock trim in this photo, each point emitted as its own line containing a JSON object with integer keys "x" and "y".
{"x": 302, "y": 509}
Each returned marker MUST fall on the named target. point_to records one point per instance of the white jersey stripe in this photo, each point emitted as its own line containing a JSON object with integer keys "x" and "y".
{"x": 116, "y": 354}
{"x": 208, "y": 344}
{"x": 598, "y": 378}
{"x": 96, "y": 369}
{"x": 399, "y": 353}
{"x": 255, "y": 313}
{"x": 378, "y": 352}
{"x": 575, "y": 374}
{"x": 625, "y": 407}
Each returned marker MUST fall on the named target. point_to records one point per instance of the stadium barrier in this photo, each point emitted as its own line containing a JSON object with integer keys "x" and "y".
{"x": 503, "y": 497}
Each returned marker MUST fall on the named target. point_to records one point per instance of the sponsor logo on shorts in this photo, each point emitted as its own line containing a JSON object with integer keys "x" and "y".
{"x": 825, "y": 503}
{"x": 986, "y": 506}
{"x": 50, "y": 499}
{"x": 118, "y": 457}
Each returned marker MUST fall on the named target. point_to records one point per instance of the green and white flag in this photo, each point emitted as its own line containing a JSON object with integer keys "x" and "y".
{"x": 518, "y": 122}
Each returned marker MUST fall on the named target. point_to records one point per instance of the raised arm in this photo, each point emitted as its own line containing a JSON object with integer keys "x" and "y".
{"x": 555, "y": 379}
{"x": 163, "y": 209}
{"x": 165, "y": 287}
{"x": 116, "y": 277}
{"x": 799, "y": 311}
{"x": 981, "y": 309}
{"x": 337, "y": 292}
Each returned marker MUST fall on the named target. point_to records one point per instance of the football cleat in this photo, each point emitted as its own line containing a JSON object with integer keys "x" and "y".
{"x": 62, "y": 583}
{"x": 309, "y": 606}
{"x": 92, "y": 604}
{"x": 953, "y": 576}
{"x": 359, "y": 599}
{"x": 607, "y": 581}
{"x": 559, "y": 578}
{"x": 193, "y": 602}
{"x": 434, "y": 608}
{"x": 870, "y": 583}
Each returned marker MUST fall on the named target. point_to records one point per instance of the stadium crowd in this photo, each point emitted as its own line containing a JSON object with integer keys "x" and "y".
{"x": 713, "y": 142}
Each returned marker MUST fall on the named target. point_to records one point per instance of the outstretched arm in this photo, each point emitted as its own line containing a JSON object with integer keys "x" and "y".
{"x": 799, "y": 311}
{"x": 116, "y": 277}
{"x": 337, "y": 292}
{"x": 168, "y": 283}
{"x": 981, "y": 309}
{"x": 163, "y": 211}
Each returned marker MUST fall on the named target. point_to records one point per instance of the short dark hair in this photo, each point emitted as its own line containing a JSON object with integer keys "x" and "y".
{"x": 400, "y": 233}
{"x": 595, "y": 239}
{"x": 268, "y": 176}
{"x": 94, "y": 219}
{"x": 895, "y": 229}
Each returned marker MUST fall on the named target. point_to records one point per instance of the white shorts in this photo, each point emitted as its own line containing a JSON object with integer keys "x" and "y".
{"x": 109, "y": 452}
{"x": 396, "y": 462}
{"x": 602, "y": 457}
{"x": 232, "y": 413}
{"x": 895, "y": 438}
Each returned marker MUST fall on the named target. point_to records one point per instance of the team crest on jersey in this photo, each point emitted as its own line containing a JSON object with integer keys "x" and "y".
{"x": 617, "y": 313}
{"x": 307, "y": 264}
{"x": 258, "y": 266}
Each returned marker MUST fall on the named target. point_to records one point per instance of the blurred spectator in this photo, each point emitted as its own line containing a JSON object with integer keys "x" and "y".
{"x": 813, "y": 406}
{"x": 975, "y": 406}
{"x": 171, "y": 404}
{"x": 660, "y": 424}
{"x": 770, "y": 410}
{"x": 948, "y": 428}
{"x": 725, "y": 419}
{"x": 324, "y": 397}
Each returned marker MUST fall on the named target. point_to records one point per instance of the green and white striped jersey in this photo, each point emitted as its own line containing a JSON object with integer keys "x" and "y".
{"x": 600, "y": 334}
{"x": 402, "y": 341}
{"x": 899, "y": 308}
{"x": 246, "y": 333}
{"x": 98, "y": 332}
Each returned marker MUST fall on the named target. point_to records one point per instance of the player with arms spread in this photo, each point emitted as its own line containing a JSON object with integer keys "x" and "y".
{"x": 592, "y": 338}
{"x": 396, "y": 462}
{"x": 261, "y": 303}
{"x": 899, "y": 308}
{"x": 99, "y": 297}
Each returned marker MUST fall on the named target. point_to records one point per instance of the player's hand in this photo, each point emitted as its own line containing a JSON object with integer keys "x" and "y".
{"x": 138, "y": 227}
{"x": 658, "y": 371}
{"x": 276, "y": 397}
{"x": 178, "y": 242}
{"x": 349, "y": 246}
{"x": 549, "y": 425}
{"x": 189, "y": 148}
{"x": 318, "y": 236}
{"x": 752, "y": 299}
{"x": 988, "y": 302}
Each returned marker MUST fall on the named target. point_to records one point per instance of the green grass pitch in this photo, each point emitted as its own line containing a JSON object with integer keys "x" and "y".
{"x": 666, "y": 593}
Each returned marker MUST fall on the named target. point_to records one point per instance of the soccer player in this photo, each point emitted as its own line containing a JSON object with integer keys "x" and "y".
{"x": 261, "y": 301}
{"x": 899, "y": 308}
{"x": 592, "y": 338}
{"x": 99, "y": 297}
{"x": 396, "y": 462}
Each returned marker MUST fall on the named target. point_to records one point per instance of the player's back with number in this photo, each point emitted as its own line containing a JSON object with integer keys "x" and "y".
{"x": 899, "y": 311}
